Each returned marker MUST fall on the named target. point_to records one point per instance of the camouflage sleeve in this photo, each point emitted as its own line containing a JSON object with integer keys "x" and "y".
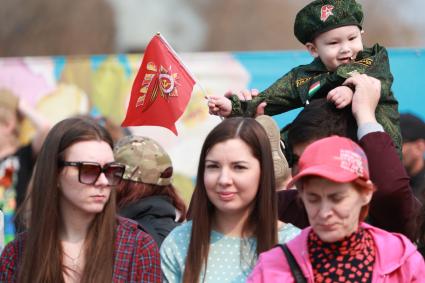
{"x": 371, "y": 61}
{"x": 375, "y": 63}
{"x": 280, "y": 97}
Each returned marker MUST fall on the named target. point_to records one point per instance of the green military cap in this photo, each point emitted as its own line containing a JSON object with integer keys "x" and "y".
{"x": 323, "y": 15}
{"x": 145, "y": 160}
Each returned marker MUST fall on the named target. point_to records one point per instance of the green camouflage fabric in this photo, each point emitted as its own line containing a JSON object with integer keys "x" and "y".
{"x": 292, "y": 90}
{"x": 145, "y": 160}
{"x": 323, "y": 15}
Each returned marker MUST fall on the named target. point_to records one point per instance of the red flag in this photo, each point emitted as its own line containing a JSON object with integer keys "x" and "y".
{"x": 161, "y": 89}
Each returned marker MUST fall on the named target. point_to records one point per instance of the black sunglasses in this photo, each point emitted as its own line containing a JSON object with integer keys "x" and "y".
{"x": 89, "y": 172}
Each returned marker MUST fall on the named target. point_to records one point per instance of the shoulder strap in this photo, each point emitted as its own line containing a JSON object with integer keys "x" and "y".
{"x": 293, "y": 265}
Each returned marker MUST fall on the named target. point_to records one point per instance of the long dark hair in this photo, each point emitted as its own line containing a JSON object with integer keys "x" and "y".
{"x": 43, "y": 254}
{"x": 262, "y": 221}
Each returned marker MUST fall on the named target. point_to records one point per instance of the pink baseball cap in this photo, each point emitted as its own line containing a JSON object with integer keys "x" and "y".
{"x": 335, "y": 158}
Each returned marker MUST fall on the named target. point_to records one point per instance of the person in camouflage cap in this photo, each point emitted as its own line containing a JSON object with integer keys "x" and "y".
{"x": 146, "y": 193}
{"x": 331, "y": 31}
{"x": 145, "y": 161}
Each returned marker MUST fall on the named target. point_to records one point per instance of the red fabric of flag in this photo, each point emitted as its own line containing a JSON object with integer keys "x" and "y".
{"x": 161, "y": 89}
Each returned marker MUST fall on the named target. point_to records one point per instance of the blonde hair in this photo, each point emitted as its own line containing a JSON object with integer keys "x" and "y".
{"x": 9, "y": 113}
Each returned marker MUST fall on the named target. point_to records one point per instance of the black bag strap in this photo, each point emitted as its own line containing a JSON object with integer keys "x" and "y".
{"x": 293, "y": 265}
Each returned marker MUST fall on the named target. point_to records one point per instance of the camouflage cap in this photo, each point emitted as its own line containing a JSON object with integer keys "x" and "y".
{"x": 323, "y": 15}
{"x": 145, "y": 160}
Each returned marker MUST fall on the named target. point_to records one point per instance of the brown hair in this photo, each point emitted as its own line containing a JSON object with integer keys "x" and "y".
{"x": 360, "y": 187}
{"x": 43, "y": 254}
{"x": 262, "y": 222}
{"x": 9, "y": 115}
{"x": 319, "y": 119}
{"x": 130, "y": 191}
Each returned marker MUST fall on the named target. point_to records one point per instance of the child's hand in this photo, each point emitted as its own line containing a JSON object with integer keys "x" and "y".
{"x": 219, "y": 105}
{"x": 246, "y": 95}
{"x": 340, "y": 96}
{"x": 366, "y": 97}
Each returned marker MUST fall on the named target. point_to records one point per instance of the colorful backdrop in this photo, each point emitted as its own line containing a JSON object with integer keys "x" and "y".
{"x": 63, "y": 86}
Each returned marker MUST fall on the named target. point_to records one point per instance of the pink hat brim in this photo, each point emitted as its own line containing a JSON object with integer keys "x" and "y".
{"x": 335, "y": 174}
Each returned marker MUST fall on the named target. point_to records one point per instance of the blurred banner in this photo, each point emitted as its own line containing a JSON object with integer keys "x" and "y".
{"x": 1, "y": 231}
{"x": 59, "y": 87}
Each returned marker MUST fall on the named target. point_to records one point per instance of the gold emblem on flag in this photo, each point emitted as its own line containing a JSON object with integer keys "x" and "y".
{"x": 167, "y": 82}
{"x": 151, "y": 67}
{"x": 163, "y": 82}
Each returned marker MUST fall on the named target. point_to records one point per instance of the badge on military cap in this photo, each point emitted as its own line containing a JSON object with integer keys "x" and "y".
{"x": 323, "y": 15}
{"x": 325, "y": 12}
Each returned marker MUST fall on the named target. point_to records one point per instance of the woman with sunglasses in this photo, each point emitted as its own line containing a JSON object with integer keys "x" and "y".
{"x": 74, "y": 234}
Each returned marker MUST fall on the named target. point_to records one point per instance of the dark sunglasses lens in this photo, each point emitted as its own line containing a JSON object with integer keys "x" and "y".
{"x": 89, "y": 173}
{"x": 113, "y": 173}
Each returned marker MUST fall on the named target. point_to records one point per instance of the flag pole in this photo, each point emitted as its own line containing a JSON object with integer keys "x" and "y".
{"x": 183, "y": 64}
{"x": 206, "y": 96}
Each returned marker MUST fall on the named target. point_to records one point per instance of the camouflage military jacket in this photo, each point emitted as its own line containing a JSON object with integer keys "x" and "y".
{"x": 311, "y": 81}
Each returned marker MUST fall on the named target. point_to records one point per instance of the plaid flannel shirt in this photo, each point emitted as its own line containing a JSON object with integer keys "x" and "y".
{"x": 136, "y": 256}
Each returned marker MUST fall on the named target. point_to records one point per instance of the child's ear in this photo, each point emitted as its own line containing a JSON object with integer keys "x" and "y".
{"x": 311, "y": 48}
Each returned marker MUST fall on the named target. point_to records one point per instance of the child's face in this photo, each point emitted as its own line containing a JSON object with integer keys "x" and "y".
{"x": 337, "y": 46}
